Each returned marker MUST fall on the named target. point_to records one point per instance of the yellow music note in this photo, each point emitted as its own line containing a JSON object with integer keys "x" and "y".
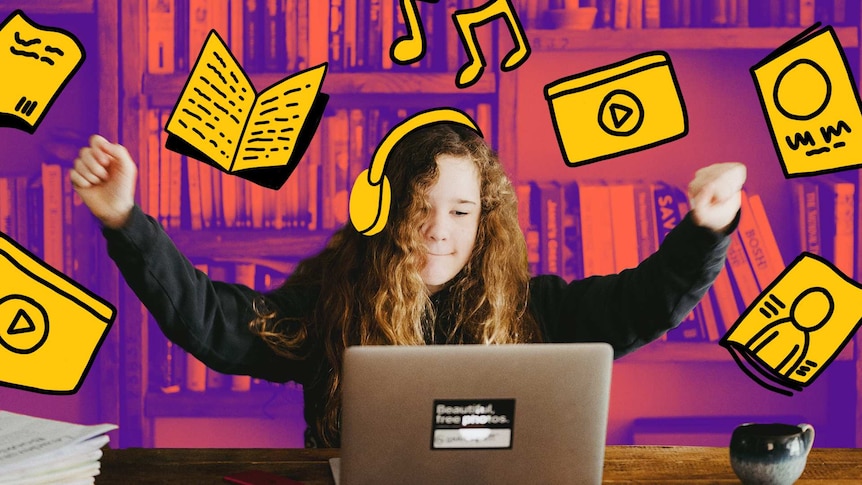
{"x": 411, "y": 47}
{"x": 467, "y": 20}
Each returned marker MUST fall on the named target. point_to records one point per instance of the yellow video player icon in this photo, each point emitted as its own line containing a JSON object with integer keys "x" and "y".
{"x": 622, "y": 108}
{"x": 50, "y": 326}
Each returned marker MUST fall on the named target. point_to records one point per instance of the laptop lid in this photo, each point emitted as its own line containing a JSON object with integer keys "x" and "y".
{"x": 527, "y": 413}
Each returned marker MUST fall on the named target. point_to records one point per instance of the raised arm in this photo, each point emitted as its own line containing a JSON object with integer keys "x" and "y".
{"x": 638, "y": 305}
{"x": 209, "y": 319}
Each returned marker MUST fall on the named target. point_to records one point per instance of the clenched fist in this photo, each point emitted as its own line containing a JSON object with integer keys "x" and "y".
{"x": 715, "y": 194}
{"x": 104, "y": 177}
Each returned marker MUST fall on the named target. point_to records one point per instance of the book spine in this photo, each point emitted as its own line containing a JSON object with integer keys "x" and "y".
{"x": 68, "y": 223}
{"x": 621, "y": 14}
{"x": 754, "y": 244}
{"x": 624, "y": 224}
{"x": 597, "y": 241}
{"x": 253, "y": 39}
{"x": 290, "y": 41}
{"x": 181, "y": 37}
{"x": 161, "y": 15}
{"x": 646, "y": 220}
{"x": 550, "y": 235}
{"x": 336, "y": 35}
{"x": 636, "y": 14}
{"x": 244, "y": 275}
{"x": 164, "y": 173}
{"x": 303, "y": 35}
{"x": 21, "y": 209}
{"x": 200, "y": 20}
{"x": 228, "y": 198}
{"x": 237, "y": 30}
{"x": 741, "y": 272}
{"x": 529, "y": 218}
{"x": 6, "y": 226}
{"x": 652, "y": 14}
{"x": 274, "y": 40}
{"x": 573, "y": 268}
{"x": 769, "y": 243}
{"x": 52, "y": 222}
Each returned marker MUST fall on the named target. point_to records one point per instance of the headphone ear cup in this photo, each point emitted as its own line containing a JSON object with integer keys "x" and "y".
{"x": 369, "y": 204}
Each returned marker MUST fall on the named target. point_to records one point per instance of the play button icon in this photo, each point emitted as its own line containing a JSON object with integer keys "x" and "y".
{"x": 23, "y": 324}
{"x": 620, "y": 113}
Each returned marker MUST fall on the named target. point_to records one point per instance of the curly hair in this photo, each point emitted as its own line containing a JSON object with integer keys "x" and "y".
{"x": 371, "y": 291}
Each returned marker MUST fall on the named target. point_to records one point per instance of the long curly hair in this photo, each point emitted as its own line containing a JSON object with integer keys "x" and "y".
{"x": 371, "y": 291}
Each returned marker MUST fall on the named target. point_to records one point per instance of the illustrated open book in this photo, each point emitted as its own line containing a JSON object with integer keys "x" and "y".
{"x": 220, "y": 118}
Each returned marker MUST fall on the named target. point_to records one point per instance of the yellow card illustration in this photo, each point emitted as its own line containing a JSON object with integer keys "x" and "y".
{"x": 798, "y": 325}
{"x": 36, "y": 64}
{"x": 811, "y": 104}
{"x": 625, "y": 107}
{"x": 220, "y": 119}
{"x": 50, "y": 326}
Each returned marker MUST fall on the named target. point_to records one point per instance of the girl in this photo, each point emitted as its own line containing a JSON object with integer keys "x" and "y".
{"x": 450, "y": 267}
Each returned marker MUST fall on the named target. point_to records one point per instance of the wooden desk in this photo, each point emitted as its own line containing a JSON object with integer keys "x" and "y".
{"x": 623, "y": 464}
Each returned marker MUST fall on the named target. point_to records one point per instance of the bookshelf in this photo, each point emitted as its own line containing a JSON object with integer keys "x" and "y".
{"x": 88, "y": 104}
{"x": 349, "y": 88}
{"x": 507, "y": 93}
{"x": 520, "y": 93}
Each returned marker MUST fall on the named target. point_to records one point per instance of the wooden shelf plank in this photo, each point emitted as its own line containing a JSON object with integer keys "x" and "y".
{"x": 668, "y": 39}
{"x": 235, "y": 244}
{"x": 164, "y": 89}
{"x": 225, "y": 404}
{"x": 63, "y": 7}
{"x": 676, "y": 352}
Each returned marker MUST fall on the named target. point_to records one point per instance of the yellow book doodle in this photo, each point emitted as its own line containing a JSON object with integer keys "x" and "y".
{"x": 622, "y": 108}
{"x": 220, "y": 119}
{"x": 36, "y": 62}
{"x": 50, "y": 326}
{"x": 811, "y": 104}
{"x": 797, "y": 326}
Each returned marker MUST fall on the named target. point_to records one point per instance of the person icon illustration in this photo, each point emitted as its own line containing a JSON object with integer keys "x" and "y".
{"x": 784, "y": 344}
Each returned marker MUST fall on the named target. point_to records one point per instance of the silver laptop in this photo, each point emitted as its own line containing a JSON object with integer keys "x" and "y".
{"x": 530, "y": 413}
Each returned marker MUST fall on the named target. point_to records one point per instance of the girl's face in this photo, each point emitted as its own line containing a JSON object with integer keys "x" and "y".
{"x": 450, "y": 231}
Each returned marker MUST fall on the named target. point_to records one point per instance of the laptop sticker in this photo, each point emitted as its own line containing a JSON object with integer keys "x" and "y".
{"x": 478, "y": 424}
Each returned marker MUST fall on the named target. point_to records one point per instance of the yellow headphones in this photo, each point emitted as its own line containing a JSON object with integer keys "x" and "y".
{"x": 372, "y": 195}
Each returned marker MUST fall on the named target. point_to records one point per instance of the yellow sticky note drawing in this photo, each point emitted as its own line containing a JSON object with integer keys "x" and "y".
{"x": 798, "y": 325}
{"x": 625, "y": 107}
{"x": 811, "y": 104}
{"x": 220, "y": 119}
{"x": 36, "y": 63}
{"x": 50, "y": 326}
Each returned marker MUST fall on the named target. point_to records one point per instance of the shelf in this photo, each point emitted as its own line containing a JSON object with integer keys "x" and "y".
{"x": 224, "y": 404}
{"x": 706, "y": 352}
{"x": 64, "y": 7}
{"x": 668, "y": 39}
{"x": 234, "y": 244}
{"x": 163, "y": 89}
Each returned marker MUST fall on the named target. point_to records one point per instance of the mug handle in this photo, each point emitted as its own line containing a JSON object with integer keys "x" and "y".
{"x": 807, "y": 436}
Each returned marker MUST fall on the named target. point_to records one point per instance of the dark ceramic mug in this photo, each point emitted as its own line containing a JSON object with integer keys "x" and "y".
{"x": 770, "y": 454}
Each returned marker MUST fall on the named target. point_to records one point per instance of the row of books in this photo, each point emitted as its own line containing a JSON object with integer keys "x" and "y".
{"x": 291, "y": 35}
{"x": 43, "y": 214}
{"x": 178, "y": 371}
{"x": 638, "y": 14}
{"x": 580, "y": 229}
{"x": 183, "y": 193}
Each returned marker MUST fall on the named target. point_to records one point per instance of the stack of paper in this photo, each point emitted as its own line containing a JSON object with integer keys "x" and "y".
{"x": 36, "y": 451}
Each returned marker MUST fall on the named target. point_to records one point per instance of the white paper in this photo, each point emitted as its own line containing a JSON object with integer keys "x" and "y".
{"x": 42, "y": 451}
